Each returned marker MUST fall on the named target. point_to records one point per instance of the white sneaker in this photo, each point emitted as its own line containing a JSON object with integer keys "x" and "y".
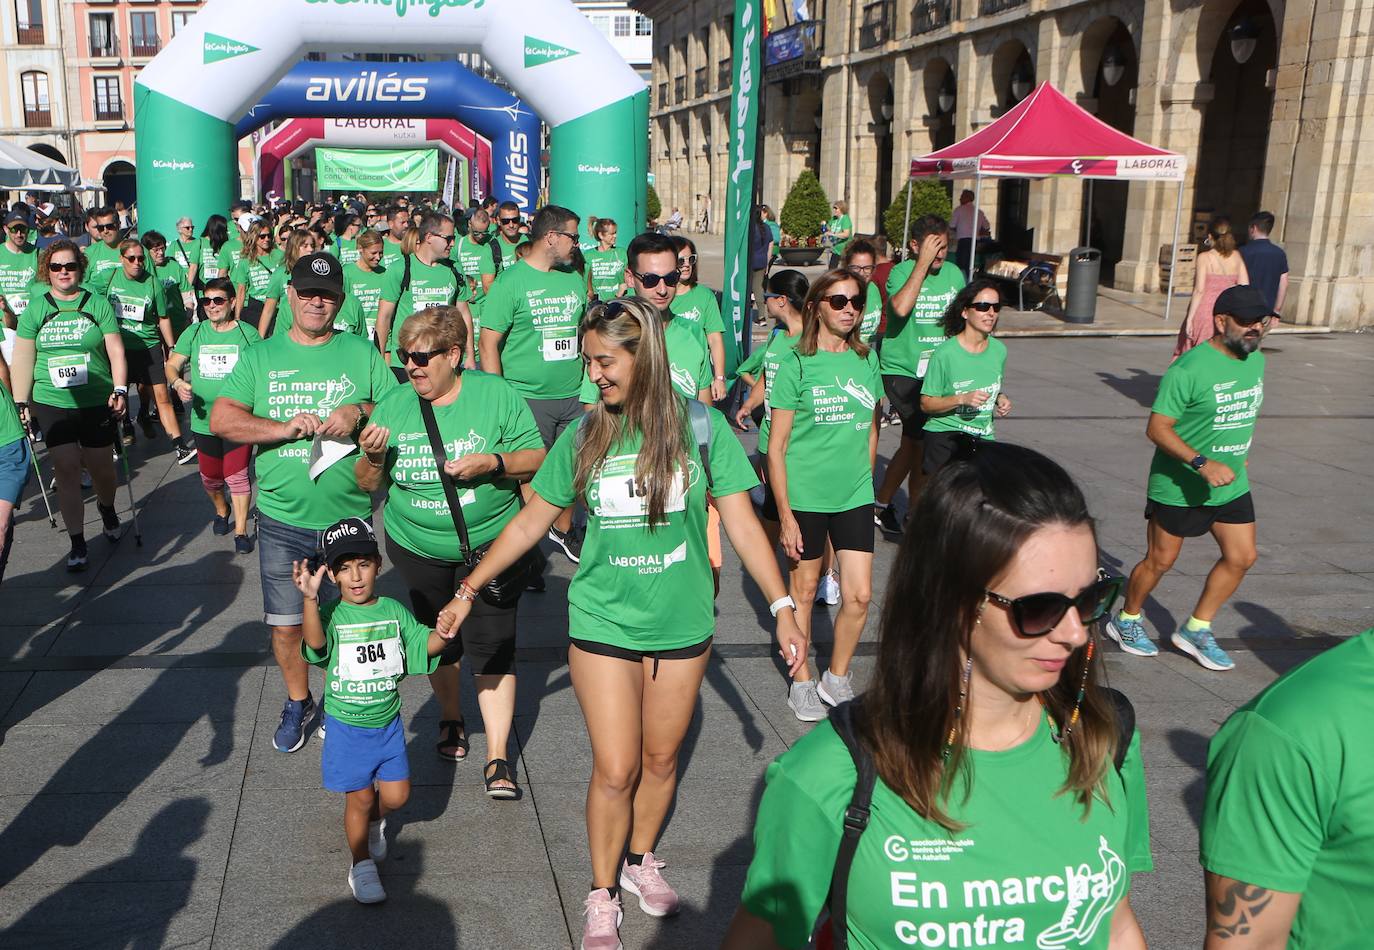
{"x": 806, "y": 704}
{"x": 365, "y": 883}
{"x": 376, "y": 839}
{"x": 828, "y": 590}
{"x": 834, "y": 690}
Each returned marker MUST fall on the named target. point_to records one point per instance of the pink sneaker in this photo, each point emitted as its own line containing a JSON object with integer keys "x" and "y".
{"x": 603, "y": 921}
{"x": 656, "y": 897}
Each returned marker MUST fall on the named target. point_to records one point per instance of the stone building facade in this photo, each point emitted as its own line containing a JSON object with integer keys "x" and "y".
{"x": 1267, "y": 99}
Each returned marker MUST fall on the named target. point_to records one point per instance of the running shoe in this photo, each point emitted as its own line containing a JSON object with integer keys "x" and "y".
{"x": 77, "y": 559}
{"x": 366, "y": 883}
{"x": 110, "y": 523}
{"x": 127, "y": 430}
{"x": 806, "y": 702}
{"x": 221, "y": 525}
{"x": 828, "y": 590}
{"x": 35, "y": 433}
{"x": 243, "y": 544}
{"x": 1131, "y": 635}
{"x": 291, "y": 731}
{"x": 656, "y": 896}
{"x": 1202, "y": 646}
{"x": 185, "y": 453}
{"x": 603, "y": 915}
{"x": 571, "y": 543}
{"x": 893, "y": 417}
{"x": 376, "y": 839}
{"x": 886, "y": 519}
{"x": 834, "y": 689}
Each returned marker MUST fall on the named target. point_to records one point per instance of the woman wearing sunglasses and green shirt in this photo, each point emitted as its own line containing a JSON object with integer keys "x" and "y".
{"x": 1009, "y": 803}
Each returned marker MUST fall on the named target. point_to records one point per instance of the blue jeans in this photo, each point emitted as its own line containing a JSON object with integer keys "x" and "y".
{"x": 14, "y": 472}
{"x": 278, "y": 545}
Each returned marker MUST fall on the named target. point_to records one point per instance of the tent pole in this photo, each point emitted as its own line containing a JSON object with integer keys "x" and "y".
{"x": 1173, "y": 259}
{"x": 1089, "y": 241}
{"x": 906, "y": 224}
{"x": 973, "y": 247}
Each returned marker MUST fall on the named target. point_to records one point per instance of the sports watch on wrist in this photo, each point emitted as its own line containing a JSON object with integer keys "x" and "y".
{"x": 500, "y": 465}
{"x": 1197, "y": 462}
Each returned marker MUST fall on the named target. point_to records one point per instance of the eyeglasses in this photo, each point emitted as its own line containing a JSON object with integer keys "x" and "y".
{"x": 983, "y": 306}
{"x": 134, "y": 258}
{"x": 446, "y": 238}
{"x": 650, "y": 281}
{"x": 1035, "y": 615}
{"x": 837, "y": 301}
{"x": 213, "y": 301}
{"x": 688, "y": 261}
{"x": 57, "y": 267}
{"x": 420, "y": 358}
{"x": 509, "y": 220}
{"x": 186, "y": 227}
{"x": 861, "y": 268}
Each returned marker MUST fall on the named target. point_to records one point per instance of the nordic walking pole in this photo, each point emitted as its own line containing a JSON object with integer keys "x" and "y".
{"x": 33, "y": 457}
{"x": 128, "y": 483}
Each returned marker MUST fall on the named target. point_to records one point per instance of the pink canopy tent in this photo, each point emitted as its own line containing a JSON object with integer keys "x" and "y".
{"x": 1046, "y": 135}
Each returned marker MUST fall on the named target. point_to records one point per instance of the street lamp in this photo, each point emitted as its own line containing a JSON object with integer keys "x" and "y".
{"x": 1113, "y": 65}
{"x": 945, "y": 98}
{"x": 885, "y": 110}
{"x": 1243, "y": 39}
{"x": 1021, "y": 81}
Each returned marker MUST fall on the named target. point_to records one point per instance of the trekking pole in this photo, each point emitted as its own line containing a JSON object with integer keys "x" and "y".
{"x": 128, "y": 482}
{"x": 33, "y": 457}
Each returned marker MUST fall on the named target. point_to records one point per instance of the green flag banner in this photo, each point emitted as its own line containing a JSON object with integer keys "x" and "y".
{"x": 357, "y": 169}
{"x": 743, "y": 116}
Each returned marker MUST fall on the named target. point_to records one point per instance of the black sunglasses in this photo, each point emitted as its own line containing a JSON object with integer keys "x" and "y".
{"x": 213, "y": 301}
{"x": 837, "y": 301}
{"x": 446, "y": 238}
{"x": 58, "y": 267}
{"x": 420, "y": 358}
{"x": 19, "y": 229}
{"x": 650, "y": 281}
{"x": 105, "y": 227}
{"x": 134, "y": 258}
{"x": 1250, "y": 321}
{"x": 509, "y": 220}
{"x": 983, "y": 306}
{"x": 1035, "y": 615}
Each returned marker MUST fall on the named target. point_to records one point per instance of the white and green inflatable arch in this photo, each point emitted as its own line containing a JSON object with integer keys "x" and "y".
{"x": 189, "y": 97}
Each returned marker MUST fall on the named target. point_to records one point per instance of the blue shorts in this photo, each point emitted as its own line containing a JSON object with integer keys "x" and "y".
{"x": 14, "y": 469}
{"x": 278, "y": 545}
{"x": 356, "y": 756}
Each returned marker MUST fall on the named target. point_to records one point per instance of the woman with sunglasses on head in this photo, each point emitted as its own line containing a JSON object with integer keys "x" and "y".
{"x": 822, "y": 444}
{"x": 69, "y": 359}
{"x": 962, "y": 393}
{"x": 276, "y": 318}
{"x": 212, "y": 241}
{"x": 252, "y": 275}
{"x": 1007, "y": 777}
{"x": 204, "y": 357}
{"x": 699, "y": 305}
{"x": 491, "y": 444}
{"x": 640, "y": 607}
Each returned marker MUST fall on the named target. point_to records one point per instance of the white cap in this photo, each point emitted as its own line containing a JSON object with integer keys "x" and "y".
{"x": 246, "y": 221}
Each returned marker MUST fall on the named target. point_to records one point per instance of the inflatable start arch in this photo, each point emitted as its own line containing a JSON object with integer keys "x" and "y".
{"x": 188, "y": 100}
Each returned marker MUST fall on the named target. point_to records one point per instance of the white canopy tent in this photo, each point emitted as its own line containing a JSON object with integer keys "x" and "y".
{"x": 23, "y": 168}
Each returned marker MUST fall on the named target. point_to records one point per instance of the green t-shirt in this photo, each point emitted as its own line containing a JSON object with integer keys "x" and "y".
{"x": 778, "y": 348}
{"x": 346, "y": 250}
{"x": 701, "y": 307}
{"x": 366, "y": 288}
{"x": 279, "y": 379}
{"x": 954, "y": 371}
{"x": 211, "y": 356}
{"x": 139, "y": 304}
{"x": 832, "y": 396}
{"x": 11, "y": 429}
{"x": 175, "y": 282}
{"x": 538, "y": 314}
{"x": 635, "y": 588}
{"x": 350, "y": 319}
{"x": 368, "y": 650}
{"x": 72, "y": 369}
{"x": 17, "y": 272}
{"x": 257, "y": 276}
{"x": 688, "y": 363}
{"x": 872, "y": 315}
{"x": 1215, "y": 400}
{"x": 473, "y": 261}
{"x": 752, "y": 364}
{"x": 507, "y": 249}
{"x": 488, "y": 416}
{"x": 910, "y": 338}
{"x": 209, "y": 261}
{"x": 1290, "y": 795}
{"x": 431, "y": 285}
{"x": 102, "y": 263}
{"x": 391, "y": 252}
{"x": 606, "y": 270}
{"x": 228, "y": 259}
{"x": 1029, "y": 869}
{"x": 842, "y": 223}
{"x": 186, "y": 253}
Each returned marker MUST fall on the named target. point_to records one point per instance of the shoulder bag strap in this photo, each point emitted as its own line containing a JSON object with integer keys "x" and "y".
{"x": 701, "y": 431}
{"x": 405, "y": 275}
{"x": 1125, "y": 724}
{"x": 436, "y": 445}
{"x": 855, "y": 820}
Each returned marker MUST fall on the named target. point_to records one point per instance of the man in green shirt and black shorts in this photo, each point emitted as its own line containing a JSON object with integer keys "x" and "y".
{"x": 1202, "y": 424}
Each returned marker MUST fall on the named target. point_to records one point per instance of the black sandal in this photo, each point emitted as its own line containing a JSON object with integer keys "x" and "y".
{"x": 500, "y": 771}
{"x": 455, "y": 734}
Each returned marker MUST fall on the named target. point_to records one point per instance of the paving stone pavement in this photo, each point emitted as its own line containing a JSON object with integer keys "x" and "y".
{"x": 144, "y": 806}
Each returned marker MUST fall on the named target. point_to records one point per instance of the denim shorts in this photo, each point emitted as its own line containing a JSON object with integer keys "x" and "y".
{"x": 14, "y": 469}
{"x": 278, "y": 545}
{"x": 356, "y": 756}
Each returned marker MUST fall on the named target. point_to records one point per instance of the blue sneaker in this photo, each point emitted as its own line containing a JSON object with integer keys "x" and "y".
{"x": 1131, "y": 635}
{"x": 1202, "y": 646}
{"x": 294, "y": 716}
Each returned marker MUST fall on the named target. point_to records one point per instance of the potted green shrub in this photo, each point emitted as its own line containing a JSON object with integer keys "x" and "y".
{"x": 930, "y": 197}
{"x": 804, "y": 213}
{"x": 653, "y": 207}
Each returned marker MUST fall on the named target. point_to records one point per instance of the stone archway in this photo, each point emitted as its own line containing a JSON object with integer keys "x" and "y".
{"x": 47, "y": 151}
{"x": 1110, "y": 74}
{"x": 942, "y": 102}
{"x": 1013, "y": 76}
{"x": 121, "y": 183}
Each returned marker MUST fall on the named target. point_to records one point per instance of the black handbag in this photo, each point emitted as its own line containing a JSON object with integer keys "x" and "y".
{"x": 505, "y": 589}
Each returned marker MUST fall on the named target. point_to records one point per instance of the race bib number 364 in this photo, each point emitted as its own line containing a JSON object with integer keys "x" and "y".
{"x": 370, "y": 651}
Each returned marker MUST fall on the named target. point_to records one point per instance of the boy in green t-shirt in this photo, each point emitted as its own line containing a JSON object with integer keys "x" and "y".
{"x": 366, "y": 645}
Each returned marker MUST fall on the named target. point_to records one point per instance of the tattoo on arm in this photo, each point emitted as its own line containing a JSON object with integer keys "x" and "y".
{"x": 1233, "y": 910}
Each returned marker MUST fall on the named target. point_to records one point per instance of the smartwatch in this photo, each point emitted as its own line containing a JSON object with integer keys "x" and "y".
{"x": 1197, "y": 462}
{"x": 500, "y": 466}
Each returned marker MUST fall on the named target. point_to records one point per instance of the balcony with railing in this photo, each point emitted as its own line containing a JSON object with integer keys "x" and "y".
{"x": 104, "y": 47}
{"x": 793, "y": 51}
{"x": 37, "y": 118}
{"x": 109, "y": 112}
{"x": 145, "y": 46}
{"x": 876, "y": 28}
{"x": 699, "y": 86}
{"x": 929, "y": 15}
{"x": 680, "y": 89}
{"x": 30, "y": 34}
{"x": 991, "y": 7}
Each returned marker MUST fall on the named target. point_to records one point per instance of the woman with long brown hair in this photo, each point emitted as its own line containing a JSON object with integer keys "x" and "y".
{"x": 640, "y": 608}
{"x": 1218, "y": 267}
{"x": 1008, "y": 806}
{"x": 253, "y": 273}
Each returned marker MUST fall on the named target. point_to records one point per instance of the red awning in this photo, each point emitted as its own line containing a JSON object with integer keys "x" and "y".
{"x": 1046, "y": 135}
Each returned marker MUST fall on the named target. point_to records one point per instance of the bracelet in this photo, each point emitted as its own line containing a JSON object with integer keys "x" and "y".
{"x": 120, "y": 391}
{"x": 464, "y": 592}
{"x": 367, "y": 458}
{"x": 784, "y": 601}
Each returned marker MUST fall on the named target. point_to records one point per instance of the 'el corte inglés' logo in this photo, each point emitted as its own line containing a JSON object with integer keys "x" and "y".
{"x": 539, "y": 52}
{"x": 599, "y": 169}
{"x": 221, "y": 47}
{"x": 402, "y": 7}
{"x": 163, "y": 164}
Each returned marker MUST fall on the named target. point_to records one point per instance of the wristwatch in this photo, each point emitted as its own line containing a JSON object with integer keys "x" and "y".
{"x": 1197, "y": 462}
{"x": 500, "y": 466}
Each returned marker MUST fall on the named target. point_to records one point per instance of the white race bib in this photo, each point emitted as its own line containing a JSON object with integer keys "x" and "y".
{"x": 370, "y": 651}
{"x": 131, "y": 312}
{"x": 217, "y": 360}
{"x": 921, "y": 366}
{"x": 557, "y": 349}
{"x": 69, "y": 372}
{"x": 618, "y": 496}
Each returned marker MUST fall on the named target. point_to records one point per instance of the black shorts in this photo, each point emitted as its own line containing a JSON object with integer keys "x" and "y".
{"x": 769, "y": 508}
{"x": 487, "y": 637}
{"x": 904, "y": 395}
{"x": 850, "y": 530}
{"x": 638, "y": 656}
{"x": 91, "y": 428}
{"x": 941, "y": 447}
{"x": 1183, "y": 522}
{"x": 146, "y": 365}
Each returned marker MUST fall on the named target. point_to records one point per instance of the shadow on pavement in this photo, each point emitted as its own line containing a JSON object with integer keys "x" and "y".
{"x": 1140, "y": 386}
{"x": 1184, "y": 744}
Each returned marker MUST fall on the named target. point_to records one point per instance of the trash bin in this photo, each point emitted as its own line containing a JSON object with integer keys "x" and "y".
{"x": 1080, "y": 304}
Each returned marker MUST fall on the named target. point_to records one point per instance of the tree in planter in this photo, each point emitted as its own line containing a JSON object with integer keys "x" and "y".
{"x": 805, "y": 210}
{"x": 652, "y": 206}
{"x": 930, "y": 197}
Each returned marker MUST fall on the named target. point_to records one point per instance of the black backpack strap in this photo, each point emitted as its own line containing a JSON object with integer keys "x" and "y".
{"x": 458, "y": 279}
{"x": 495, "y": 254}
{"x": 842, "y": 719}
{"x": 80, "y": 309}
{"x": 1125, "y": 724}
{"x": 701, "y": 431}
{"x": 455, "y": 508}
{"x": 405, "y": 274}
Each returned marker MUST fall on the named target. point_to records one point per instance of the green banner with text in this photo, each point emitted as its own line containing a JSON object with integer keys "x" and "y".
{"x": 357, "y": 169}
{"x": 743, "y": 116}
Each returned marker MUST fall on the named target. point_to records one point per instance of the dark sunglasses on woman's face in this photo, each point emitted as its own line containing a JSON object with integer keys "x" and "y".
{"x": 837, "y": 301}
{"x": 1035, "y": 615}
{"x": 64, "y": 267}
{"x": 983, "y": 306}
{"x": 213, "y": 301}
{"x": 687, "y": 261}
{"x": 650, "y": 281}
{"x": 420, "y": 358}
